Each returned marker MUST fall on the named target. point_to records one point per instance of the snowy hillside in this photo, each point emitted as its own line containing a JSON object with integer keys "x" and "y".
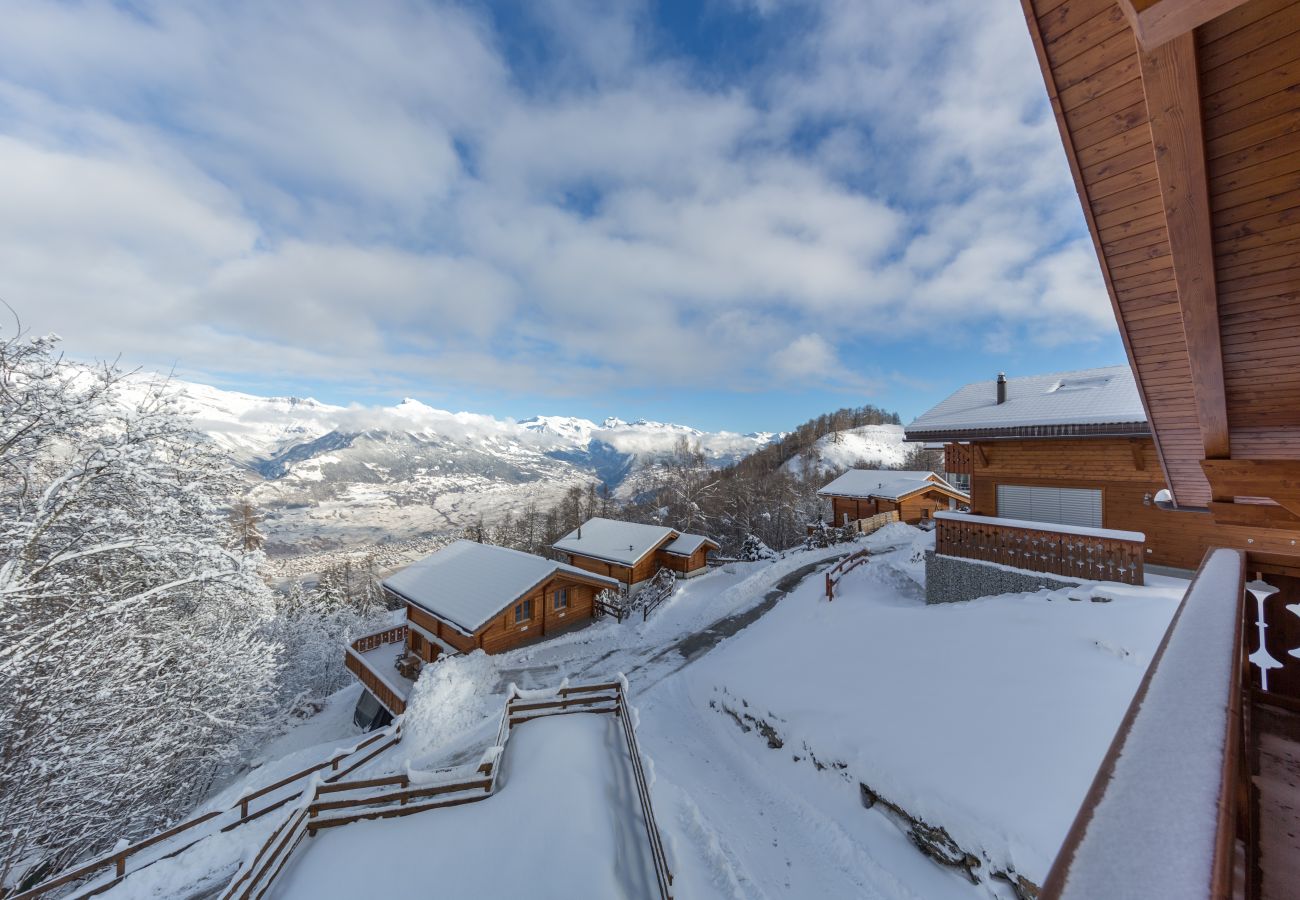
{"x": 333, "y": 476}
{"x": 764, "y": 783}
{"x": 872, "y": 445}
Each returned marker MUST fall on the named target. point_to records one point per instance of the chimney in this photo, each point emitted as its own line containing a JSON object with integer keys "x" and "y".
{"x": 1002, "y": 388}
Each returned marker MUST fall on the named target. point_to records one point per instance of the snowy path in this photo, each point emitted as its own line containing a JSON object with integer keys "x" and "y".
{"x": 563, "y": 824}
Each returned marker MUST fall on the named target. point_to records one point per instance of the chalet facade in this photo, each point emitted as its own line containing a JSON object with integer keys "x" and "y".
{"x": 915, "y": 496}
{"x": 632, "y": 553}
{"x": 1075, "y": 449}
{"x": 1179, "y": 124}
{"x": 466, "y": 597}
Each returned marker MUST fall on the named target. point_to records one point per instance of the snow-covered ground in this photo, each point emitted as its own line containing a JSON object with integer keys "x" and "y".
{"x": 872, "y": 446}
{"x": 564, "y": 824}
{"x": 769, "y": 715}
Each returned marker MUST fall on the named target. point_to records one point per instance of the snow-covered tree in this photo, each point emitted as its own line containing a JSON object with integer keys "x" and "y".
{"x": 246, "y": 521}
{"x": 133, "y": 661}
{"x": 754, "y": 549}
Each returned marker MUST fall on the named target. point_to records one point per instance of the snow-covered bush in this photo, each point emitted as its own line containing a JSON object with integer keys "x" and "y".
{"x": 133, "y": 664}
{"x": 753, "y": 549}
{"x": 819, "y": 537}
{"x": 450, "y": 697}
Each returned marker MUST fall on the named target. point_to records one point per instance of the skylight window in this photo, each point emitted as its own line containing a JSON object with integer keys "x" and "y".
{"x": 1088, "y": 383}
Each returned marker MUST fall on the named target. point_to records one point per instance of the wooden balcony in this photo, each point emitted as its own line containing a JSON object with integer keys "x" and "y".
{"x": 958, "y": 459}
{"x": 373, "y": 659}
{"x": 1089, "y": 554}
{"x": 1199, "y": 794}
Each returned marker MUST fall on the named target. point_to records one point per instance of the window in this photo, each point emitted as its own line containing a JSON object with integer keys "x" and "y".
{"x": 1061, "y": 506}
{"x": 562, "y": 598}
{"x": 523, "y": 611}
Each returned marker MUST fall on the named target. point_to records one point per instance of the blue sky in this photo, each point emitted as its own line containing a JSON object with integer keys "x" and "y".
{"x": 734, "y": 214}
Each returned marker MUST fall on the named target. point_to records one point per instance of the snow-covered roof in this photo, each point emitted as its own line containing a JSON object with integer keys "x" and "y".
{"x": 614, "y": 541}
{"x": 687, "y": 544}
{"x": 1085, "y": 401}
{"x": 467, "y": 584}
{"x": 888, "y": 484}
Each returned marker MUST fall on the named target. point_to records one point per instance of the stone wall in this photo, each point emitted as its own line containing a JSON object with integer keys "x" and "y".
{"x": 949, "y": 579}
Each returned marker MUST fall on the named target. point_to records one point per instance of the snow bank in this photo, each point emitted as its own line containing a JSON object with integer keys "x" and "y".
{"x": 954, "y": 712}
{"x": 892, "y": 535}
{"x": 451, "y": 697}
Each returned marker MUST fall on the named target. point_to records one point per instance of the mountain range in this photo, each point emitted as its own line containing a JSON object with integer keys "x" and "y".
{"x": 333, "y": 476}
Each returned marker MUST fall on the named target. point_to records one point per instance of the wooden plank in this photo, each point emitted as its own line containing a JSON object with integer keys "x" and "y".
{"x": 1156, "y": 22}
{"x": 1254, "y": 514}
{"x": 1282, "y": 21}
{"x": 1170, "y": 81}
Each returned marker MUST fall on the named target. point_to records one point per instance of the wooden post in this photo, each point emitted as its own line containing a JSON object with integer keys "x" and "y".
{"x": 120, "y": 859}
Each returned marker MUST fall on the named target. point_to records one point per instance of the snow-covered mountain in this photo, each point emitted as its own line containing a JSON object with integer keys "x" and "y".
{"x": 871, "y": 445}
{"x": 333, "y": 475}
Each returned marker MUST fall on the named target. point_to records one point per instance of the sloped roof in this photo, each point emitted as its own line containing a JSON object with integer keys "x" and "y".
{"x": 466, "y": 584}
{"x": 687, "y": 544}
{"x": 1087, "y": 401}
{"x": 613, "y": 541}
{"x": 888, "y": 484}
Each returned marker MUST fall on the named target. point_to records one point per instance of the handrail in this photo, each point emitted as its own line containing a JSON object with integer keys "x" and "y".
{"x": 1163, "y": 767}
{"x": 118, "y": 858}
{"x": 1080, "y": 553}
{"x": 667, "y": 584}
{"x": 842, "y": 568}
{"x": 257, "y": 876}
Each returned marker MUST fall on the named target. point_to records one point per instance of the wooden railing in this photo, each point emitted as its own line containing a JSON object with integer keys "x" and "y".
{"x": 1172, "y": 796}
{"x": 379, "y": 638}
{"x": 330, "y": 805}
{"x": 958, "y": 459}
{"x": 657, "y": 591}
{"x": 842, "y": 568}
{"x": 1088, "y": 554}
{"x": 602, "y": 605}
{"x": 372, "y": 679}
{"x": 340, "y": 765}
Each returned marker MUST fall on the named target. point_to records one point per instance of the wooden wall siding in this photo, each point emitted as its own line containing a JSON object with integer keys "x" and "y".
{"x": 957, "y": 458}
{"x": 1250, "y": 82}
{"x": 502, "y": 633}
{"x": 683, "y": 564}
{"x": 1042, "y": 550}
{"x": 600, "y": 567}
{"x": 1090, "y": 56}
{"x": 921, "y": 506}
{"x": 1174, "y": 538}
{"x": 1248, "y": 72}
{"x": 850, "y": 509}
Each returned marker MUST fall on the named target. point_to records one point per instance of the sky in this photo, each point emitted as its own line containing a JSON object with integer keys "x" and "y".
{"x": 733, "y": 214}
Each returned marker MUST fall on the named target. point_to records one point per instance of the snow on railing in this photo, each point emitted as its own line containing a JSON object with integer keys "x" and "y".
{"x": 245, "y": 814}
{"x": 844, "y": 567}
{"x": 1090, "y": 554}
{"x": 345, "y": 802}
{"x": 1160, "y": 819}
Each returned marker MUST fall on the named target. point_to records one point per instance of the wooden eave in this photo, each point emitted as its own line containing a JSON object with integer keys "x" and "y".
{"x": 1180, "y": 121}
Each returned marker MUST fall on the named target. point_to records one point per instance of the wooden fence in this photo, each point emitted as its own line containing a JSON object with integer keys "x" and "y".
{"x": 867, "y": 525}
{"x": 340, "y": 765}
{"x": 603, "y": 606}
{"x": 339, "y": 804}
{"x": 1082, "y": 553}
{"x": 659, "y": 590}
{"x": 844, "y": 567}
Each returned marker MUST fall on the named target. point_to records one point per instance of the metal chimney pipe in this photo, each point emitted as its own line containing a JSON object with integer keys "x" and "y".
{"x": 1002, "y": 388}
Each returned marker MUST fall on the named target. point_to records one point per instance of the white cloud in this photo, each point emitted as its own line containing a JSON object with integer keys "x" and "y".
{"x": 332, "y": 191}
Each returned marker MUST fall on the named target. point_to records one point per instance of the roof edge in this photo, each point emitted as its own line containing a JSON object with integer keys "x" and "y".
{"x": 1010, "y": 432}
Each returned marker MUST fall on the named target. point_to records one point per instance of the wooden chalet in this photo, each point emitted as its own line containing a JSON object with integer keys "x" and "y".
{"x": 1180, "y": 120}
{"x": 470, "y": 596}
{"x": 916, "y": 496}
{"x": 632, "y": 553}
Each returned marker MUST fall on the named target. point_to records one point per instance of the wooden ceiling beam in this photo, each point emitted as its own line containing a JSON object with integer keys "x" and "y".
{"x": 1276, "y": 479}
{"x": 1169, "y": 79}
{"x": 1156, "y": 22}
{"x": 1258, "y": 515}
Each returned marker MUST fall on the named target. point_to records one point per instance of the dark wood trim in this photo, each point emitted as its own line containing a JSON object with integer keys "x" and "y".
{"x": 1156, "y": 22}
{"x": 1023, "y": 432}
{"x": 1169, "y": 79}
